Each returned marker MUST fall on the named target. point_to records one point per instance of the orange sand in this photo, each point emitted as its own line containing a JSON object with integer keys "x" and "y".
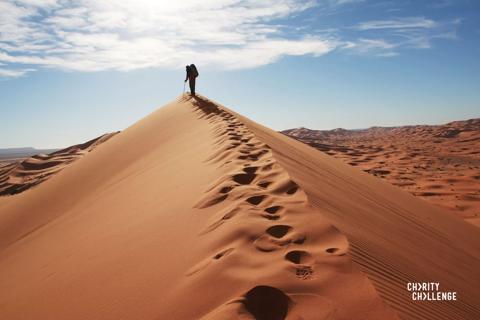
{"x": 196, "y": 212}
{"x": 440, "y": 164}
{"x": 18, "y": 176}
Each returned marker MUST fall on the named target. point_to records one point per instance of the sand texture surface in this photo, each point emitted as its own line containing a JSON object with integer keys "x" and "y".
{"x": 196, "y": 212}
{"x": 22, "y": 174}
{"x": 439, "y": 164}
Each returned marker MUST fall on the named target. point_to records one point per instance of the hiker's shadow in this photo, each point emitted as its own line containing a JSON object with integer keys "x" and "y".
{"x": 203, "y": 104}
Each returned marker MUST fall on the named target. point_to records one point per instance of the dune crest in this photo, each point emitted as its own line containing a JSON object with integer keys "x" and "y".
{"x": 259, "y": 231}
{"x": 196, "y": 212}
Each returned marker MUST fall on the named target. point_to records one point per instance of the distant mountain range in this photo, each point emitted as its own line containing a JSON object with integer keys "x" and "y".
{"x": 449, "y": 130}
{"x": 22, "y": 152}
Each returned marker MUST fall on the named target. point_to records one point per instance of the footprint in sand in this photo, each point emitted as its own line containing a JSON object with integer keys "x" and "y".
{"x": 274, "y": 238}
{"x": 222, "y": 254}
{"x": 247, "y": 177}
{"x": 263, "y": 302}
{"x": 205, "y": 263}
{"x": 336, "y": 251}
{"x": 273, "y": 209}
{"x": 256, "y": 200}
{"x": 278, "y": 231}
{"x": 292, "y": 190}
{"x": 299, "y": 257}
{"x": 267, "y": 303}
{"x": 271, "y": 213}
{"x": 226, "y": 189}
{"x": 304, "y": 272}
{"x": 278, "y": 236}
{"x": 264, "y": 184}
{"x": 303, "y": 263}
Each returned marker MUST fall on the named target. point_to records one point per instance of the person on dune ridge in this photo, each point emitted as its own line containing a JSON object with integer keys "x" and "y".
{"x": 192, "y": 74}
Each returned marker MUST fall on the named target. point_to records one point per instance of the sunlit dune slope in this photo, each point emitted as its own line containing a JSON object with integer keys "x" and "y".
{"x": 196, "y": 212}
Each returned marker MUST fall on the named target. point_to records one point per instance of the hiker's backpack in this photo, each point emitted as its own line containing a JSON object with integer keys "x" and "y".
{"x": 194, "y": 70}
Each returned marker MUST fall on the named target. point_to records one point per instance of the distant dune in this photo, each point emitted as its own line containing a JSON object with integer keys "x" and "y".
{"x": 440, "y": 164}
{"x": 9, "y": 155}
{"x": 196, "y": 212}
{"x": 18, "y": 175}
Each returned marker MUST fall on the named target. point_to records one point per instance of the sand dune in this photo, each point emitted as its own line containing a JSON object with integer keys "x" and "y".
{"x": 10, "y": 155}
{"x": 196, "y": 212}
{"x": 440, "y": 164}
{"x": 18, "y": 176}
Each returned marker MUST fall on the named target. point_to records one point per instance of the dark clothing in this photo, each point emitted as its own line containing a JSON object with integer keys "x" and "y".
{"x": 191, "y": 83}
{"x": 191, "y": 76}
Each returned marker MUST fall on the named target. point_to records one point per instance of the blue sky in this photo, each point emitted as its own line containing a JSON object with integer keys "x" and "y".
{"x": 72, "y": 70}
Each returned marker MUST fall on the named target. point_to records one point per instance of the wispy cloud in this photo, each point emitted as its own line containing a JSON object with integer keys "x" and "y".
{"x": 398, "y": 23}
{"x": 378, "y": 47}
{"x": 440, "y": 4}
{"x": 402, "y": 33}
{"x": 12, "y": 73}
{"x": 98, "y": 35}
{"x": 342, "y": 2}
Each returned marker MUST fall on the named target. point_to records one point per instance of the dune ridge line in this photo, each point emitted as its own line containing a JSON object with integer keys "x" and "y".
{"x": 196, "y": 212}
{"x": 259, "y": 189}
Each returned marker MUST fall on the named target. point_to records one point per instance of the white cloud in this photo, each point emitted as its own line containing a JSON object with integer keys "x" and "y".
{"x": 365, "y": 45}
{"x": 398, "y": 23}
{"x": 38, "y": 3}
{"x": 402, "y": 33}
{"x": 93, "y": 35}
{"x": 375, "y": 47}
{"x": 342, "y": 2}
{"x": 440, "y": 4}
{"x": 13, "y": 73}
{"x": 265, "y": 52}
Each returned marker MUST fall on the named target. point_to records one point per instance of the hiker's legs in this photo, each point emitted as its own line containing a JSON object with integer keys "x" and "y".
{"x": 191, "y": 82}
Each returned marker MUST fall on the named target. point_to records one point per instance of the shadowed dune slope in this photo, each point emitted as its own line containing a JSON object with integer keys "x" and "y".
{"x": 198, "y": 213}
{"x": 394, "y": 237}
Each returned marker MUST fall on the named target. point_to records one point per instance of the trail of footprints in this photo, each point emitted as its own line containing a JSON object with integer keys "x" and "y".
{"x": 255, "y": 189}
{"x": 272, "y": 216}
